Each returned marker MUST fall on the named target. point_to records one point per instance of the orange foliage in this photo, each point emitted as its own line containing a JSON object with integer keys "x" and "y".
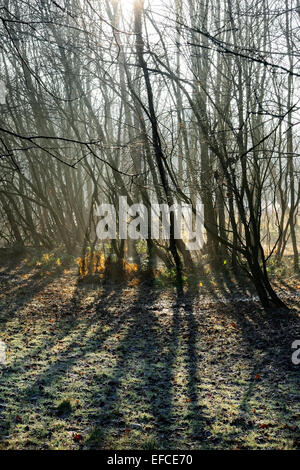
{"x": 94, "y": 263}
{"x": 91, "y": 263}
{"x": 129, "y": 268}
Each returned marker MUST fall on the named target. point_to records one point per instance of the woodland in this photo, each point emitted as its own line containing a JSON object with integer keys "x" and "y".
{"x": 122, "y": 343}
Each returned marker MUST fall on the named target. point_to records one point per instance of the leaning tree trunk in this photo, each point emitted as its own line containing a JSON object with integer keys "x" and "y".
{"x": 158, "y": 152}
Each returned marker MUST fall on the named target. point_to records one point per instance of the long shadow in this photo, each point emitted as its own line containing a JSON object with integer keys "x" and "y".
{"x": 55, "y": 371}
{"x": 145, "y": 354}
{"x": 292, "y": 293}
{"x": 15, "y": 287}
{"x": 265, "y": 342}
{"x": 154, "y": 359}
{"x": 143, "y": 336}
{"x": 196, "y": 411}
{"x": 234, "y": 284}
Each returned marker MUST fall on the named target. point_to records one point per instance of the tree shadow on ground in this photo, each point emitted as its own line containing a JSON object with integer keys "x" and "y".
{"x": 152, "y": 370}
{"x": 145, "y": 374}
{"x": 263, "y": 342}
{"x": 40, "y": 388}
{"x": 20, "y": 287}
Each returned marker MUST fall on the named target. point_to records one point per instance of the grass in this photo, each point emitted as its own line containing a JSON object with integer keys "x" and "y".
{"x": 64, "y": 408}
{"x": 129, "y": 367}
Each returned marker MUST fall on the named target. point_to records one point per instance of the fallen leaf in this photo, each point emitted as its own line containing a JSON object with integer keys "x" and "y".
{"x": 77, "y": 437}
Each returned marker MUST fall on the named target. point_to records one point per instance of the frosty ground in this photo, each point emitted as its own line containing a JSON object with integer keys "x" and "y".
{"x": 130, "y": 366}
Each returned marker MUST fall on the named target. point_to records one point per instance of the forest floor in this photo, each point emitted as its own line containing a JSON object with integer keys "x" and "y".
{"x": 133, "y": 367}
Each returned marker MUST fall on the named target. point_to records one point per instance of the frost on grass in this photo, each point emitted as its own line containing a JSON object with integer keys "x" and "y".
{"x": 128, "y": 367}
